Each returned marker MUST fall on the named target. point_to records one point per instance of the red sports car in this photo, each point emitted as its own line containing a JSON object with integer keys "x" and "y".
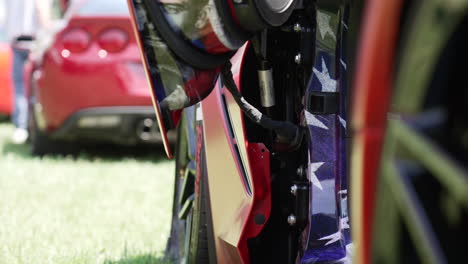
{"x": 5, "y": 77}
{"x": 86, "y": 80}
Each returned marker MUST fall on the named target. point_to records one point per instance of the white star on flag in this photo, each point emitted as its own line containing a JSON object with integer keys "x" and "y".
{"x": 313, "y": 167}
{"x": 328, "y": 84}
{"x": 344, "y": 223}
{"x": 349, "y": 248}
{"x": 348, "y": 259}
{"x": 342, "y": 121}
{"x": 343, "y": 63}
{"x": 312, "y": 120}
{"x": 333, "y": 238}
{"x": 323, "y": 21}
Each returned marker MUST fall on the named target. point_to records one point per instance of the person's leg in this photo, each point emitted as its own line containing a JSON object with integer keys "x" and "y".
{"x": 20, "y": 110}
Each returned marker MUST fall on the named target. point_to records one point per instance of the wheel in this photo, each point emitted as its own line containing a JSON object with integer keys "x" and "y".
{"x": 188, "y": 242}
{"x": 421, "y": 210}
{"x": 3, "y": 118}
{"x": 41, "y": 144}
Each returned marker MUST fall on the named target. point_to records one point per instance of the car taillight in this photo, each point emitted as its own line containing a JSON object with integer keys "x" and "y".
{"x": 113, "y": 40}
{"x": 76, "y": 40}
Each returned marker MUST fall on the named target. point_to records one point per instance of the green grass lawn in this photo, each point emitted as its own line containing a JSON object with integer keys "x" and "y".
{"x": 98, "y": 207}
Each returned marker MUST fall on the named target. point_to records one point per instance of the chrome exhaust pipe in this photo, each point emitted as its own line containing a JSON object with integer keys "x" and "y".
{"x": 147, "y": 130}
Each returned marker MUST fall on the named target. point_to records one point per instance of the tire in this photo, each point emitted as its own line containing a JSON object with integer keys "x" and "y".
{"x": 42, "y": 144}
{"x": 188, "y": 241}
{"x": 4, "y": 118}
{"x": 423, "y": 169}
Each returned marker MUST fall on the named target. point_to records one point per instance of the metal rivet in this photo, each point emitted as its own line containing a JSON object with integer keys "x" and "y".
{"x": 298, "y": 58}
{"x": 294, "y": 189}
{"x": 259, "y": 219}
{"x": 300, "y": 171}
{"x": 297, "y": 27}
{"x": 292, "y": 220}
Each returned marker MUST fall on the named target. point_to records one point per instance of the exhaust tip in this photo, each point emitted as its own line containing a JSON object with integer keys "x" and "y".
{"x": 147, "y": 130}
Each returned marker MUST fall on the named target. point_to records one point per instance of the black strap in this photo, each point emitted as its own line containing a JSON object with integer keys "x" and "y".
{"x": 181, "y": 47}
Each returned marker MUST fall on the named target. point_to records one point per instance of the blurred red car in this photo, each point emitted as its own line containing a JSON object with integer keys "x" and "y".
{"x": 6, "y": 90}
{"x": 87, "y": 81}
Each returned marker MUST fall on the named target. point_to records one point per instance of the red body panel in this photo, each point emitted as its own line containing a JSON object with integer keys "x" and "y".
{"x": 71, "y": 81}
{"x": 228, "y": 188}
{"x": 259, "y": 159}
{"x": 371, "y": 101}
{"x": 6, "y": 86}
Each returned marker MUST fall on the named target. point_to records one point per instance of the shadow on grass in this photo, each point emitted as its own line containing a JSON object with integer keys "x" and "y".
{"x": 143, "y": 259}
{"x": 101, "y": 152}
{"x": 112, "y": 153}
{"x": 22, "y": 151}
{"x": 4, "y": 118}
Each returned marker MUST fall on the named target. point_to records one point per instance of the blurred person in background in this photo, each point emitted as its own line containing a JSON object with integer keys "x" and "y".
{"x": 24, "y": 18}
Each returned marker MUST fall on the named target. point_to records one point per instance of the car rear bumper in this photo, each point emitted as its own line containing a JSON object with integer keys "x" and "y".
{"x": 64, "y": 87}
{"x": 127, "y": 125}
